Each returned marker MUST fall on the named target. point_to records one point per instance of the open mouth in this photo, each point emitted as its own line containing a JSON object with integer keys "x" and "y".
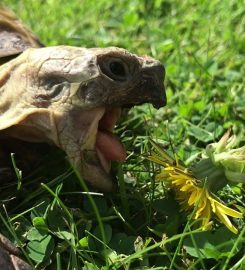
{"x": 96, "y": 147}
{"x": 108, "y": 146}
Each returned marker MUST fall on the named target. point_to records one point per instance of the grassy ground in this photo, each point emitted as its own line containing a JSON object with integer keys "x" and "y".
{"x": 202, "y": 46}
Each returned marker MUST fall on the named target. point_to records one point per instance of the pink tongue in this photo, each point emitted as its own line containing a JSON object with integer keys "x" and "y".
{"x": 110, "y": 146}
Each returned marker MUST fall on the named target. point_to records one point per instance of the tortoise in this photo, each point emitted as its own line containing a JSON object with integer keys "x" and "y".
{"x": 71, "y": 97}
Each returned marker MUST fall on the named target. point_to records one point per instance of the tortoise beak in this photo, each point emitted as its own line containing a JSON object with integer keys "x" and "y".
{"x": 152, "y": 88}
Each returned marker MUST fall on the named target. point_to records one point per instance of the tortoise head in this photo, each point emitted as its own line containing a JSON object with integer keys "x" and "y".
{"x": 72, "y": 97}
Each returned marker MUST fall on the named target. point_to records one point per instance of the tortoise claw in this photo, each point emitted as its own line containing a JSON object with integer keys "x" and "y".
{"x": 9, "y": 259}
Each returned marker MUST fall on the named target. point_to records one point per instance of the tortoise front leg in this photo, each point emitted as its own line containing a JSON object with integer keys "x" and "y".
{"x": 9, "y": 259}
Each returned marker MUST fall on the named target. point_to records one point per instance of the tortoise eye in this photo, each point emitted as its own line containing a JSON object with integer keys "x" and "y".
{"x": 115, "y": 69}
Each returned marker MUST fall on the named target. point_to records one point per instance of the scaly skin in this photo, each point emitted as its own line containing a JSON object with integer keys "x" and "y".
{"x": 9, "y": 259}
{"x": 63, "y": 92}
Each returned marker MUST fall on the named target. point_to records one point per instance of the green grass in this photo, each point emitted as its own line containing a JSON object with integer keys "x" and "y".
{"x": 201, "y": 44}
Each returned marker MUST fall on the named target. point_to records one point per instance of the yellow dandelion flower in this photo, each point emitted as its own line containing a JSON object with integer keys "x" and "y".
{"x": 191, "y": 192}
